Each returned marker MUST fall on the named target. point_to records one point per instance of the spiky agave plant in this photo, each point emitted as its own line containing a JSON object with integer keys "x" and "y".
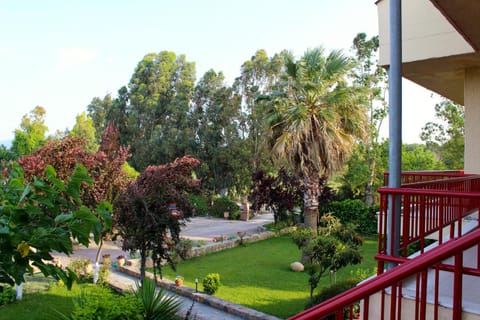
{"x": 156, "y": 305}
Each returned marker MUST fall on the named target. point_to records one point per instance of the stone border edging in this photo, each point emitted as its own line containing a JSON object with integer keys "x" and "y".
{"x": 214, "y": 302}
{"x": 227, "y": 244}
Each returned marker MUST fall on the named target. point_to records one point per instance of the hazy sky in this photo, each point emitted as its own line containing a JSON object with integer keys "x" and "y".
{"x": 61, "y": 54}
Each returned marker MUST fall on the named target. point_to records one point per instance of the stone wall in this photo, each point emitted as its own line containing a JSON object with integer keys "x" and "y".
{"x": 227, "y": 244}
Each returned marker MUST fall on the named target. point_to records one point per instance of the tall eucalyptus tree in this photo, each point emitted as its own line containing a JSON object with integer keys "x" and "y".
{"x": 159, "y": 95}
{"x": 372, "y": 77}
{"x": 258, "y": 77}
{"x": 215, "y": 118}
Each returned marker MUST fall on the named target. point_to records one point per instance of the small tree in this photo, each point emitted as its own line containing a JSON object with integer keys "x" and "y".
{"x": 43, "y": 216}
{"x": 335, "y": 247}
{"x": 143, "y": 218}
{"x": 31, "y": 134}
{"x": 84, "y": 128}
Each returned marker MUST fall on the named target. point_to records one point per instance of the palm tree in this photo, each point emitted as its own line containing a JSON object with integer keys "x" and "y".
{"x": 314, "y": 118}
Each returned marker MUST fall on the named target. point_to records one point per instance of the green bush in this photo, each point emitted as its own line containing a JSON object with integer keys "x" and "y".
{"x": 82, "y": 267}
{"x": 200, "y": 203}
{"x": 354, "y": 212}
{"x": 199, "y": 243}
{"x": 7, "y": 295}
{"x": 414, "y": 247}
{"x": 103, "y": 273}
{"x": 234, "y": 215}
{"x": 329, "y": 292}
{"x": 224, "y": 204}
{"x": 102, "y": 303}
{"x": 211, "y": 283}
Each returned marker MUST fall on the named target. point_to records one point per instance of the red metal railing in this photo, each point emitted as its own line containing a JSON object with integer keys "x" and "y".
{"x": 426, "y": 208}
{"x": 421, "y": 176}
{"x": 431, "y": 204}
{"x": 387, "y": 288}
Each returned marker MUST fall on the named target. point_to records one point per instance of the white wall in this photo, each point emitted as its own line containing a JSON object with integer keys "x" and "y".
{"x": 426, "y": 33}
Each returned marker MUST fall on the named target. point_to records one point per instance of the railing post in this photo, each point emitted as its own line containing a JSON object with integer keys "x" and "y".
{"x": 457, "y": 287}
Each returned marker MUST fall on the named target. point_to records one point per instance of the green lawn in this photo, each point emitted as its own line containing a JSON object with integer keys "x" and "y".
{"x": 258, "y": 275}
{"x": 39, "y": 302}
{"x": 44, "y": 299}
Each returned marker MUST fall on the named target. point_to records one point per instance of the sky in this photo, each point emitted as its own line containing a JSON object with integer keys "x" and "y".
{"x": 61, "y": 54}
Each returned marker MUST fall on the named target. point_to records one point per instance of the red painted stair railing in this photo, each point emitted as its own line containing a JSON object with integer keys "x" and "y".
{"x": 339, "y": 307}
{"x": 433, "y": 204}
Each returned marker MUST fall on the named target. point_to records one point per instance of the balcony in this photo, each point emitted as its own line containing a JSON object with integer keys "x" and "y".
{"x": 439, "y": 281}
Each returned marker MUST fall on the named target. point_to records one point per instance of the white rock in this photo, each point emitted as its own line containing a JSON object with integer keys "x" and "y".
{"x": 297, "y": 266}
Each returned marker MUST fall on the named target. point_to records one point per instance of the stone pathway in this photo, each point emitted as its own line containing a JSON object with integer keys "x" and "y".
{"x": 199, "y": 311}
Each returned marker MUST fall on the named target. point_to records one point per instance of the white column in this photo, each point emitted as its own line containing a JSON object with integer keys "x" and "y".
{"x": 472, "y": 120}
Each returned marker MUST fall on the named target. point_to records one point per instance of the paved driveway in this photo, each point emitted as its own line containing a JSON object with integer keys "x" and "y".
{"x": 202, "y": 228}
{"x": 198, "y": 228}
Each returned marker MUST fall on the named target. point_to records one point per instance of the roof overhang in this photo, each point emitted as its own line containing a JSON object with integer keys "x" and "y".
{"x": 440, "y": 40}
{"x": 463, "y": 15}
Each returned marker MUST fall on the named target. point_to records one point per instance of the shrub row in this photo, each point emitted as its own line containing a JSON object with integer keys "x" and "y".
{"x": 217, "y": 207}
{"x": 354, "y": 212}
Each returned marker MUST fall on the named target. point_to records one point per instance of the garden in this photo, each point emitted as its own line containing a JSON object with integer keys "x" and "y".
{"x": 256, "y": 275}
{"x": 52, "y": 202}
{"x": 78, "y": 187}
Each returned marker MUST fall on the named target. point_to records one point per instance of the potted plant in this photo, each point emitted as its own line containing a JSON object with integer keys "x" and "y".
{"x": 106, "y": 259}
{"x": 179, "y": 281}
{"x": 121, "y": 260}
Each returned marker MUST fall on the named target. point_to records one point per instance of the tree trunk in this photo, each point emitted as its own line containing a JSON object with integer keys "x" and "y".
{"x": 143, "y": 263}
{"x": 19, "y": 291}
{"x": 96, "y": 270}
{"x": 369, "y": 200}
{"x": 310, "y": 202}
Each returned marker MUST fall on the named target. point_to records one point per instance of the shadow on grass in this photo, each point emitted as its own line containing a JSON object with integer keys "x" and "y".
{"x": 38, "y": 306}
{"x": 283, "y": 309}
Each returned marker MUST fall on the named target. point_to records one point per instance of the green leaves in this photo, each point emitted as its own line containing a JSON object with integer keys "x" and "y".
{"x": 335, "y": 247}
{"x": 82, "y": 223}
{"x": 31, "y": 134}
{"x": 104, "y": 220}
{"x": 156, "y": 305}
{"x": 44, "y": 216}
{"x": 446, "y": 136}
{"x": 62, "y": 218}
{"x": 79, "y": 175}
